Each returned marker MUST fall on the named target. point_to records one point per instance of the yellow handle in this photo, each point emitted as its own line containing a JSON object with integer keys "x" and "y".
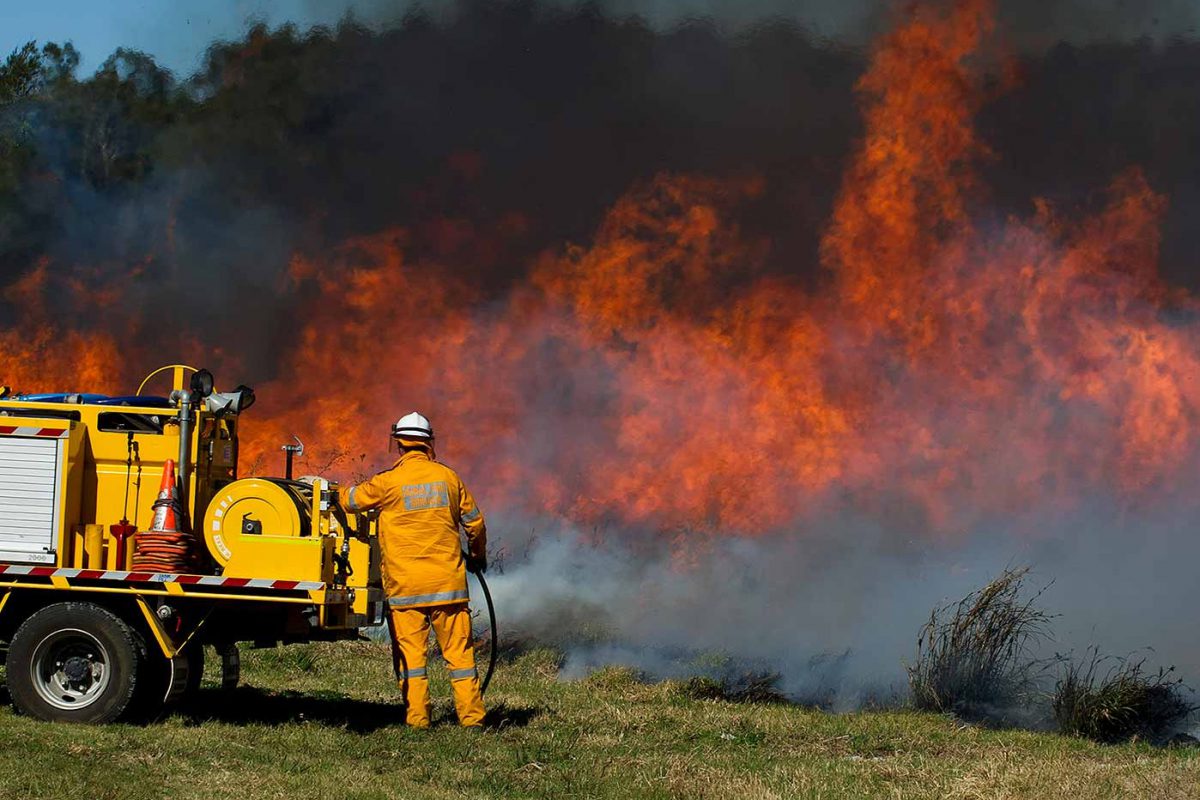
{"x": 177, "y": 382}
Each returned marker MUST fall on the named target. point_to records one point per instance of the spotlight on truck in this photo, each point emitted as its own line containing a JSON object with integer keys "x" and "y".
{"x": 235, "y": 402}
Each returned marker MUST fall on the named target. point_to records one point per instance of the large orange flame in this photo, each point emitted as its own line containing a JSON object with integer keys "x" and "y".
{"x": 951, "y": 369}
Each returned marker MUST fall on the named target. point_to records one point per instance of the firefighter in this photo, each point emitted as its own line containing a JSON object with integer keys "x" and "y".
{"x": 422, "y": 504}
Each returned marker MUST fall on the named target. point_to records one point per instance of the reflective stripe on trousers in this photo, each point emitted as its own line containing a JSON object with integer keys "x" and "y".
{"x": 455, "y": 674}
{"x": 428, "y": 599}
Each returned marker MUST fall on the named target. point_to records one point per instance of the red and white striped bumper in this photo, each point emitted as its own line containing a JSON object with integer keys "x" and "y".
{"x": 158, "y": 577}
{"x": 26, "y": 430}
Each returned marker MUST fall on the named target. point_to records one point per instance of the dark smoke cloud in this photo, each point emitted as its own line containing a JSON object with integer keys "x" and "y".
{"x": 1029, "y": 23}
{"x": 1042, "y": 24}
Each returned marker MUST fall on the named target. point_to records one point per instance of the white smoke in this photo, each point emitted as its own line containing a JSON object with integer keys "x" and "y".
{"x": 835, "y": 608}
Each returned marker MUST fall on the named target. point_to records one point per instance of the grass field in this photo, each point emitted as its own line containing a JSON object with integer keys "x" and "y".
{"x": 320, "y": 721}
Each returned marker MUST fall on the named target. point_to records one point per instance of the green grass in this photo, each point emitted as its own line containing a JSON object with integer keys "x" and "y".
{"x": 320, "y": 721}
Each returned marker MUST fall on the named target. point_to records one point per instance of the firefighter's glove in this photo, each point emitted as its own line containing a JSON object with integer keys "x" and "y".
{"x": 478, "y": 566}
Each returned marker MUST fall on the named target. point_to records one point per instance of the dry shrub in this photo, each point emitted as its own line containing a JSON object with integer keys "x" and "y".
{"x": 1122, "y": 702}
{"x": 973, "y": 656}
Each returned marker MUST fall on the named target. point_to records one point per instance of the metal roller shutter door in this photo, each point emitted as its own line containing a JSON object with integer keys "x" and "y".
{"x": 28, "y": 496}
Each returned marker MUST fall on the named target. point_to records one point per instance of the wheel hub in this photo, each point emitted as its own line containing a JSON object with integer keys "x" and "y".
{"x": 76, "y": 669}
{"x": 70, "y": 669}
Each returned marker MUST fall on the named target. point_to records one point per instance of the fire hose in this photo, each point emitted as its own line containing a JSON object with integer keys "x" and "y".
{"x": 493, "y": 649}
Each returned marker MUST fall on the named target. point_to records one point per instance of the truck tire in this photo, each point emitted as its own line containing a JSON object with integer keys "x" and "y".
{"x": 74, "y": 662}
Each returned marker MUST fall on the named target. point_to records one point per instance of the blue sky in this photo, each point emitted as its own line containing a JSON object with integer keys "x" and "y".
{"x": 175, "y": 32}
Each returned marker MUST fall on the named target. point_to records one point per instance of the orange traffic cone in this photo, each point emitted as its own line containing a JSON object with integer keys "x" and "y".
{"x": 166, "y": 516}
{"x": 164, "y": 548}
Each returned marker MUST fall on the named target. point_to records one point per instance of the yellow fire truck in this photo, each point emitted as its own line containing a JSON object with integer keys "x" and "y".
{"x": 93, "y": 639}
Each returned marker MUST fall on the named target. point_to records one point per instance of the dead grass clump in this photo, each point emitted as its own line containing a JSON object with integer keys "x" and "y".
{"x": 750, "y": 687}
{"x": 615, "y": 678}
{"x": 973, "y": 656}
{"x": 1115, "y": 700}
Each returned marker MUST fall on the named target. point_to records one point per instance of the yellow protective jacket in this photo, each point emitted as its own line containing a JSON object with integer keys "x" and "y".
{"x": 421, "y": 505}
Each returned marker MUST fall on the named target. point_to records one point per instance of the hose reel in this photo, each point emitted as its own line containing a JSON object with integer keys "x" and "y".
{"x": 254, "y": 508}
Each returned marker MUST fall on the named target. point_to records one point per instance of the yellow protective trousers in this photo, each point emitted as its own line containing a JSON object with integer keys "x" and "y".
{"x": 410, "y": 638}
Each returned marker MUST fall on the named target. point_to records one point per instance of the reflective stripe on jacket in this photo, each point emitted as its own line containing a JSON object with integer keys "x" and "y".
{"x": 421, "y": 505}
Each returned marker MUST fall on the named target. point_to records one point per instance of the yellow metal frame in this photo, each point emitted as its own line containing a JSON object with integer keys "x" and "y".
{"x": 165, "y": 641}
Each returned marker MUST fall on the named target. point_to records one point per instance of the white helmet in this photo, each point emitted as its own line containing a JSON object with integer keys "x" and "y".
{"x": 412, "y": 426}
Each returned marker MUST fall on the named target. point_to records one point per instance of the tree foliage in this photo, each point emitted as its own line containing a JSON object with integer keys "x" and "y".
{"x": 21, "y": 78}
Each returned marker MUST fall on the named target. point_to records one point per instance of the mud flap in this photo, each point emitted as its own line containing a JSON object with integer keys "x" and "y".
{"x": 231, "y": 665}
{"x": 178, "y": 683}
